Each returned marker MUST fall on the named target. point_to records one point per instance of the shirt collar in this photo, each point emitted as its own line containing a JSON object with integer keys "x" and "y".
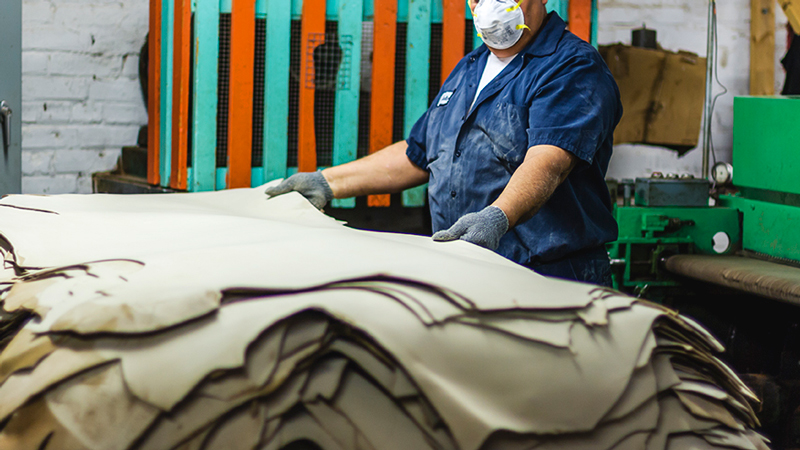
{"x": 546, "y": 40}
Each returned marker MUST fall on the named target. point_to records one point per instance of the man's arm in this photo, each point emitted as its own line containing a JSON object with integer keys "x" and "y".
{"x": 383, "y": 172}
{"x": 544, "y": 169}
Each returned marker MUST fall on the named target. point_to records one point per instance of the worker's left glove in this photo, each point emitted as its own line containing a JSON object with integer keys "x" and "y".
{"x": 484, "y": 228}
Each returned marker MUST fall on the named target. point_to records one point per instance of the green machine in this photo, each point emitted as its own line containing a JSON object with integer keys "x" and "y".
{"x": 766, "y": 154}
{"x": 728, "y": 255}
{"x": 671, "y": 215}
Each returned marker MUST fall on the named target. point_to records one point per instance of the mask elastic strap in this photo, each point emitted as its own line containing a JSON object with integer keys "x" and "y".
{"x": 471, "y": 11}
{"x": 515, "y": 7}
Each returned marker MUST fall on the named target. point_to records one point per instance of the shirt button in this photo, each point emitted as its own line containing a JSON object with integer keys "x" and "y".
{"x": 463, "y": 117}
{"x": 453, "y": 194}
{"x": 458, "y": 153}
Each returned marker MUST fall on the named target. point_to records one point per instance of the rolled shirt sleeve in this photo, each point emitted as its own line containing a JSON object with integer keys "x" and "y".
{"x": 571, "y": 109}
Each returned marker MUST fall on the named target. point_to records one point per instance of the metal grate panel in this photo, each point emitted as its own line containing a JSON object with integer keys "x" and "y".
{"x": 398, "y": 132}
{"x": 294, "y": 93}
{"x": 259, "y": 79}
{"x": 435, "y": 65}
{"x": 223, "y": 86}
{"x": 364, "y": 105}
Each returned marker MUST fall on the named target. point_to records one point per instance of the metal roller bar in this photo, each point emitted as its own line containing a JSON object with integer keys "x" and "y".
{"x": 768, "y": 279}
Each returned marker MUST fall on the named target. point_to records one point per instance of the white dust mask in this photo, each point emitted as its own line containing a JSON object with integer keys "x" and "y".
{"x": 499, "y": 22}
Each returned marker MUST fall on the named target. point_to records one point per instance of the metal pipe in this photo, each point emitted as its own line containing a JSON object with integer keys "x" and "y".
{"x": 710, "y": 63}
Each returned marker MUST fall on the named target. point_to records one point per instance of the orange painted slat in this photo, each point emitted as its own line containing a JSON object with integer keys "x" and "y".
{"x": 240, "y": 110}
{"x": 312, "y": 35}
{"x": 453, "y": 24}
{"x": 382, "y": 101}
{"x": 180, "y": 93}
{"x": 580, "y": 18}
{"x": 154, "y": 94}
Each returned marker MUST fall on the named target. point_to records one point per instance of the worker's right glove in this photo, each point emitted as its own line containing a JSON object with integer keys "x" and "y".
{"x": 312, "y": 186}
{"x": 484, "y": 228}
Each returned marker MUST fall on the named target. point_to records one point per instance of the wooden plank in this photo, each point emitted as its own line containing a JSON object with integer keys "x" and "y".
{"x": 452, "y": 35}
{"x": 383, "y": 82}
{"x": 762, "y": 47}
{"x": 154, "y": 94}
{"x": 416, "y": 97}
{"x": 792, "y": 10}
{"x": 165, "y": 148}
{"x": 180, "y": 92}
{"x": 240, "y": 125}
{"x": 345, "y": 133}
{"x": 276, "y": 96}
{"x": 206, "y": 78}
{"x": 312, "y": 35}
{"x": 580, "y": 18}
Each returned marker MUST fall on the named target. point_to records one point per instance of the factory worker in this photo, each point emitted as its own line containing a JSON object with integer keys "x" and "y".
{"x": 515, "y": 148}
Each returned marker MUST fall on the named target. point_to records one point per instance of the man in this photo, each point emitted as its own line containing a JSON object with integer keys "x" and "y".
{"x": 515, "y": 148}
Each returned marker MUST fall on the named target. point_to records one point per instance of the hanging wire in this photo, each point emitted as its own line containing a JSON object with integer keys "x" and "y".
{"x": 715, "y": 69}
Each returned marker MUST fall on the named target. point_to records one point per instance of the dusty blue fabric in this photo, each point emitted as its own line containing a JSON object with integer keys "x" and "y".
{"x": 557, "y": 91}
{"x": 590, "y": 266}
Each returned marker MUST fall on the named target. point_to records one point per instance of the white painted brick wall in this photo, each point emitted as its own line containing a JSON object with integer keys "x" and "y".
{"x": 81, "y": 99}
{"x": 80, "y": 89}
{"x": 682, "y": 25}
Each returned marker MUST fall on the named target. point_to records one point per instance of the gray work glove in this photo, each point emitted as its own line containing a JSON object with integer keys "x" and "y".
{"x": 484, "y": 228}
{"x": 311, "y": 185}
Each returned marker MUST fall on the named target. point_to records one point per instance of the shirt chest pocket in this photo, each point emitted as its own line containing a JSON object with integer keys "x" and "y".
{"x": 443, "y": 125}
{"x": 505, "y": 125}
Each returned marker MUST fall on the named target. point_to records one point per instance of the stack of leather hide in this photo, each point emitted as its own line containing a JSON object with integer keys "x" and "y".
{"x": 230, "y": 321}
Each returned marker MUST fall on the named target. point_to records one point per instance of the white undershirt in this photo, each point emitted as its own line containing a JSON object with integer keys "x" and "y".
{"x": 494, "y": 66}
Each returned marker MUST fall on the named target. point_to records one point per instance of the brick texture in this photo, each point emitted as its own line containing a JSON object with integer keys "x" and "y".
{"x": 81, "y": 95}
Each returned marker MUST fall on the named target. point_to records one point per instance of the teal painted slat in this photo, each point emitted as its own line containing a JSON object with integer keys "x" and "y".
{"x": 437, "y": 11}
{"x": 331, "y": 9}
{"x": 204, "y": 116}
{"x": 167, "y": 43}
{"x": 222, "y": 177}
{"x": 261, "y": 9}
{"x": 345, "y": 133}
{"x": 369, "y": 10}
{"x": 257, "y": 176}
{"x": 594, "y": 23}
{"x": 225, "y": 6}
{"x": 402, "y": 11}
{"x": 276, "y": 89}
{"x": 297, "y": 8}
{"x": 560, "y": 7}
{"x": 417, "y": 78}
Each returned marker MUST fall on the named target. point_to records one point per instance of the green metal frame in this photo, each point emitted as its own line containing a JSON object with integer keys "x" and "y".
{"x": 648, "y": 233}
{"x": 768, "y": 228}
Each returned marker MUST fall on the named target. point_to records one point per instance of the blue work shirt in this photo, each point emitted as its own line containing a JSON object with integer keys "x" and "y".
{"x": 557, "y": 91}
